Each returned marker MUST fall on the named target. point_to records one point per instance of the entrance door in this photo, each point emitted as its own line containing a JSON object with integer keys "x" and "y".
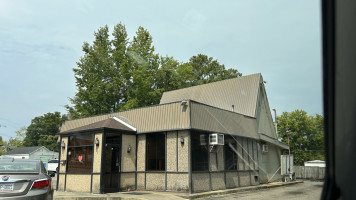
{"x": 112, "y": 165}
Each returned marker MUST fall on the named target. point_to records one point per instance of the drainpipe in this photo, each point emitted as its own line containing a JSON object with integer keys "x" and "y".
{"x": 275, "y": 121}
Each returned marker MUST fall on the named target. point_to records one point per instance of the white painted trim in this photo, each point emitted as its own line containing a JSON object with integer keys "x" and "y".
{"x": 124, "y": 123}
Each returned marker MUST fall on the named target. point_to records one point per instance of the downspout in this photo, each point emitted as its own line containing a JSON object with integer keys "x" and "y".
{"x": 275, "y": 121}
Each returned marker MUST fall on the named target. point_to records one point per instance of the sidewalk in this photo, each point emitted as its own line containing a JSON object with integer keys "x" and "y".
{"x": 150, "y": 195}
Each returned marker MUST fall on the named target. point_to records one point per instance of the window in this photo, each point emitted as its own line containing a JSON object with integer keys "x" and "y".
{"x": 200, "y": 151}
{"x": 80, "y": 153}
{"x": 156, "y": 151}
{"x": 230, "y": 157}
{"x": 19, "y": 166}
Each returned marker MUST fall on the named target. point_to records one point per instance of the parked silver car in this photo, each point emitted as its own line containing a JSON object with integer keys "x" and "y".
{"x": 24, "y": 179}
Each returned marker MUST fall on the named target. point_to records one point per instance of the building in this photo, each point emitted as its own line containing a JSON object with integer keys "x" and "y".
{"x": 209, "y": 137}
{"x": 315, "y": 163}
{"x": 36, "y": 152}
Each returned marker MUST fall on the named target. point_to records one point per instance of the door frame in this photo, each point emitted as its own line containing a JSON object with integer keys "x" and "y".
{"x": 103, "y": 188}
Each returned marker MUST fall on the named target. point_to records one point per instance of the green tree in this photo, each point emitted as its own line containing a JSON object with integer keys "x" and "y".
{"x": 304, "y": 133}
{"x": 115, "y": 74}
{"x": 98, "y": 72}
{"x": 2, "y": 146}
{"x": 142, "y": 90}
{"x": 207, "y": 70}
{"x": 43, "y": 130}
{"x": 13, "y": 143}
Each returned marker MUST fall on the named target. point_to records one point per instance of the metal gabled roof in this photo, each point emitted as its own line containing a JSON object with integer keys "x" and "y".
{"x": 111, "y": 123}
{"x": 241, "y": 92}
{"x": 147, "y": 119}
{"x": 24, "y": 150}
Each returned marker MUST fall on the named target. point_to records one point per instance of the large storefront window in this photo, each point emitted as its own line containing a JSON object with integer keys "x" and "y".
{"x": 156, "y": 151}
{"x": 230, "y": 154}
{"x": 200, "y": 151}
{"x": 80, "y": 153}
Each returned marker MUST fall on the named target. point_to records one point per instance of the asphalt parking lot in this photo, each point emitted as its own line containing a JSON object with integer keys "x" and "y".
{"x": 306, "y": 190}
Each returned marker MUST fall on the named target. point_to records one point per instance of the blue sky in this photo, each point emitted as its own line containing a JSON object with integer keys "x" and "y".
{"x": 40, "y": 43}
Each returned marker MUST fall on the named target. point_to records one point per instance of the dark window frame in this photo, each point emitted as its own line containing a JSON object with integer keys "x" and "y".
{"x": 80, "y": 149}
{"x": 230, "y": 156}
{"x": 156, "y": 151}
{"x": 200, "y": 151}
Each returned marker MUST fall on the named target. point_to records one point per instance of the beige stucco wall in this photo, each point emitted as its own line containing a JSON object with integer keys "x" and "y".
{"x": 213, "y": 161}
{"x": 141, "y": 152}
{"x": 127, "y": 181}
{"x": 96, "y": 183}
{"x": 232, "y": 180}
{"x": 217, "y": 158}
{"x": 140, "y": 181}
{"x": 178, "y": 182}
{"x": 155, "y": 181}
{"x": 269, "y": 163}
{"x": 128, "y": 160}
{"x": 62, "y": 168}
{"x": 97, "y": 153}
{"x": 201, "y": 182}
{"x": 254, "y": 178}
{"x": 244, "y": 178}
{"x": 217, "y": 181}
{"x": 78, "y": 182}
{"x": 171, "y": 151}
{"x": 183, "y": 151}
{"x": 61, "y": 182}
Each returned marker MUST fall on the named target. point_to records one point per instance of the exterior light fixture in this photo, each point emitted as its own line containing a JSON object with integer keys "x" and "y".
{"x": 181, "y": 139}
{"x": 129, "y": 149}
{"x": 96, "y": 141}
{"x": 184, "y": 102}
{"x": 69, "y": 153}
{"x": 63, "y": 145}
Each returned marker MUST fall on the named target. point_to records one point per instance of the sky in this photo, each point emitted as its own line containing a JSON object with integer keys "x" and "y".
{"x": 41, "y": 41}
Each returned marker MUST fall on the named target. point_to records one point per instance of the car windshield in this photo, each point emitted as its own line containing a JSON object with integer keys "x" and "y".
{"x": 10, "y": 167}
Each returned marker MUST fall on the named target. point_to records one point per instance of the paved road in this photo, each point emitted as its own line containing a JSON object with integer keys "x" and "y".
{"x": 307, "y": 190}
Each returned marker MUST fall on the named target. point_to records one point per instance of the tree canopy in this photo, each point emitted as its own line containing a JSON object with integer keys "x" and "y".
{"x": 116, "y": 74}
{"x": 13, "y": 143}
{"x": 305, "y": 134}
{"x": 43, "y": 130}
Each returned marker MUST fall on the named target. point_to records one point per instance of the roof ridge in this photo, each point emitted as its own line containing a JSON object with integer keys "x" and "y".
{"x": 215, "y": 82}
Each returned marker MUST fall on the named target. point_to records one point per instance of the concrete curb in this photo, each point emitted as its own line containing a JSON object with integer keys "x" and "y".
{"x": 164, "y": 195}
{"x": 236, "y": 190}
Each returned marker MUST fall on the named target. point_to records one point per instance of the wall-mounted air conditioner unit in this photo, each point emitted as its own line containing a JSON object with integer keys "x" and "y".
{"x": 264, "y": 147}
{"x": 216, "y": 139}
{"x": 203, "y": 139}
